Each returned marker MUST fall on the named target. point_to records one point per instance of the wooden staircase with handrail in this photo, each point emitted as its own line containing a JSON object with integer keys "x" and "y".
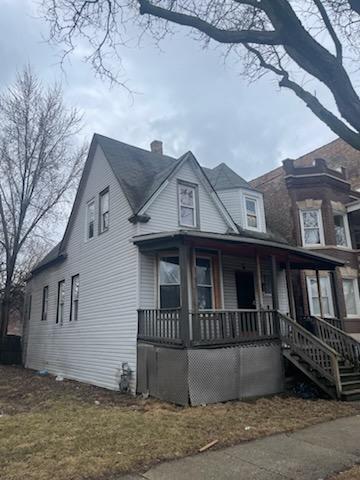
{"x": 330, "y": 358}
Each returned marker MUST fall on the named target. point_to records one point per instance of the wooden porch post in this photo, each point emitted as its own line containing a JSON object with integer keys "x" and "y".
{"x": 275, "y": 297}
{"x": 184, "y": 258}
{"x": 259, "y": 281}
{"x": 319, "y": 293}
{"x": 290, "y": 290}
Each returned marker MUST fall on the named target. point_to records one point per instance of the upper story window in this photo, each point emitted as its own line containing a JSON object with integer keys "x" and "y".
{"x": 60, "y": 302}
{"x": 45, "y": 303}
{"x": 104, "y": 208}
{"x": 342, "y": 232}
{"x": 90, "y": 219}
{"x": 311, "y": 227}
{"x": 252, "y": 213}
{"x": 204, "y": 283}
{"x": 187, "y": 205}
{"x": 351, "y": 295}
{"x": 75, "y": 285}
{"x": 169, "y": 282}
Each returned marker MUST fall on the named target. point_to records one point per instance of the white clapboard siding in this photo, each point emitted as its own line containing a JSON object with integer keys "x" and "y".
{"x": 164, "y": 209}
{"x": 93, "y": 348}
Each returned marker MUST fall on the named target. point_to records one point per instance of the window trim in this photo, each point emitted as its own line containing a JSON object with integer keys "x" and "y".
{"x": 101, "y": 195}
{"x": 320, "y": 226}
{"x": 91, "y": 201}
{"x": 196, "y": 208}
{"x": 207, "y": 257}
{"x": 44, "y": 314}
{"x": 159, "y": 257}
{"x": 60, "y": 283}
{"x": 71, "y": 318}
{"x": 346, "y": 228}
{"x": 357, "y": 297}
{"x": 329, "y": 293}
{"x": 255, "y": 199}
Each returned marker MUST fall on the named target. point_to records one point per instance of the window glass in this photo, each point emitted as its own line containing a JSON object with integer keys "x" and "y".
{"x": 61, "y": 302}
{"x": 251, "y": 212}
{"x": 340, "y": 231}
{"x": 104, "y": 210}
{"x": 169, "y": 282}
{"x": 187, "y": 205}
{"x": 45, "y": 303}
{"x": 326, "y": 296}
{"x": 350, "y": 299}
{"x": 91, "y": 219}
{"x": 75, "y": 284}
{"x": 311, "y": 227}
{"x": 204, "y": 283}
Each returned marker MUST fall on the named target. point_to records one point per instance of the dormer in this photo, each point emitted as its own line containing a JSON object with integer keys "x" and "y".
{"x": 242, "y": 201}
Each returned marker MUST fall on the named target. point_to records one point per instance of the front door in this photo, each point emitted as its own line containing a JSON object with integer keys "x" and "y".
{"x": 245, "y": 290}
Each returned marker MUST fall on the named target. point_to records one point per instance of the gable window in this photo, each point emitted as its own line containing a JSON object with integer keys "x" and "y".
{"x": 341, "y": 230}
{"x": 60, "y": 302}
{"x": 169, "y": 282}
{"x": 45, "y": 303}
{"x": 311, "y": 227}
{"x": 187, "y": 204}
{"x": 74, "y": 310}
{"x": 326, "y": 296}
{"x": 204, "y": 283}
{"x": 90, "y": 219}
{"x": 251, "y": 212}
{"x": 104, "y": 207}
{"x": 351, "y": 295}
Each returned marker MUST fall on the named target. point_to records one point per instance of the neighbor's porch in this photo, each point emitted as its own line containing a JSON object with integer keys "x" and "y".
{"x": 206, "y": 290}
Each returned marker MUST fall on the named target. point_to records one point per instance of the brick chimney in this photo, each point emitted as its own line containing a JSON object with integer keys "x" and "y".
{"x": 156, "y": 147}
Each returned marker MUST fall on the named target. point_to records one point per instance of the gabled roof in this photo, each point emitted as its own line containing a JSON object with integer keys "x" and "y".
{"x": 223, "y": 177}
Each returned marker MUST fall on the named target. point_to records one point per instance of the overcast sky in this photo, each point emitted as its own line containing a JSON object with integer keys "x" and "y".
{"x": 187, "y": 98}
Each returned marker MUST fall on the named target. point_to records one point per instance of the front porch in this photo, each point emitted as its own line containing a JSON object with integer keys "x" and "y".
{"x": 214, "y": 309}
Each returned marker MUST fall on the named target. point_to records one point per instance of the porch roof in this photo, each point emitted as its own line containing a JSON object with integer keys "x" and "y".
{"x": 232, "y": 244}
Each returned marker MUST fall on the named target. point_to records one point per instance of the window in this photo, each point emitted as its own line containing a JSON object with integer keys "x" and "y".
{"x": 60, "y": 302}
{"x": 45, "y": 303}
{"x": 104, "y": 211}
{"x": 351, "y": 294}
{"x": 342, "y": 233}
{"x": 266, "y": 283}
{"x": 311, "y": 227}
{"x": 187, "y": 205}
{"x": 90, "y": 219}
{"x": 204, "y": 283}
{"x": 326, "y": 296}
{"x": 169, "y": 282}
{"x": 251, "y": 211}
{"x": 74, "y": 310}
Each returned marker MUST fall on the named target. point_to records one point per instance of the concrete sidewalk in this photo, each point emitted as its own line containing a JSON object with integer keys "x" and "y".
{"x": 310, "y": 454}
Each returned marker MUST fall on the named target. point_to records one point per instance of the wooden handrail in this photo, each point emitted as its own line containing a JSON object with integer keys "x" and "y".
{"x": 342, "y": 342}
{"x": 318, "y": 354}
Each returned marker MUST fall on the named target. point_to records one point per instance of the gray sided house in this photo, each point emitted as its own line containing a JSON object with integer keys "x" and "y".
{"x": 168, "y": 281}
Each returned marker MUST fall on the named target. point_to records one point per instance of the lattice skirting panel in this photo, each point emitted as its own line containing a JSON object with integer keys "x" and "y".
{"x": 199, "y": 376}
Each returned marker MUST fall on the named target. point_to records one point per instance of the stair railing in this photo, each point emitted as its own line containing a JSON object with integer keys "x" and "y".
{"x": 342, "y": 342}
{"x": 317, "y": 354}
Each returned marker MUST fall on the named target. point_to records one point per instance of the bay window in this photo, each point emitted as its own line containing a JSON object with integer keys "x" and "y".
{"x": 342, "y": 233}
{"x": 311, "y": 227}
{"x": 169, "y": 279}
{"x": 326, "y": 296}
{"x": 351, "y": 295}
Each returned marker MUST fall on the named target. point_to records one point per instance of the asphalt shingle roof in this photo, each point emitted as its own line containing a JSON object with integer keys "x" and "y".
{"x": 223, "y": 177}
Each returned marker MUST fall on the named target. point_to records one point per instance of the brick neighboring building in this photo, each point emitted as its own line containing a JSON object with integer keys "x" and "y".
{"x": 314, "y": 202}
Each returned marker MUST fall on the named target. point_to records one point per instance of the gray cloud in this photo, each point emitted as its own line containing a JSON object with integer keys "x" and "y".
{"x": 187, "y": 98}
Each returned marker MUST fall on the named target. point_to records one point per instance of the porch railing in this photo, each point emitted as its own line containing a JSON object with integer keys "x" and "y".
{"x": 207, "y": 327}
{"x": 159, "y": 325}
{"x": 233, "y": 326}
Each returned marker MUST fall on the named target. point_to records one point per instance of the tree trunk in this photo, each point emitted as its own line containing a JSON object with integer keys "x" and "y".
{"x": 5, "y": 311}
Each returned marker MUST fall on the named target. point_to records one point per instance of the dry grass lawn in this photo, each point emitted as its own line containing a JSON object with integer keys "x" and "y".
{"x": 352, "y": 474}
{"x": 68, "y": 431}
